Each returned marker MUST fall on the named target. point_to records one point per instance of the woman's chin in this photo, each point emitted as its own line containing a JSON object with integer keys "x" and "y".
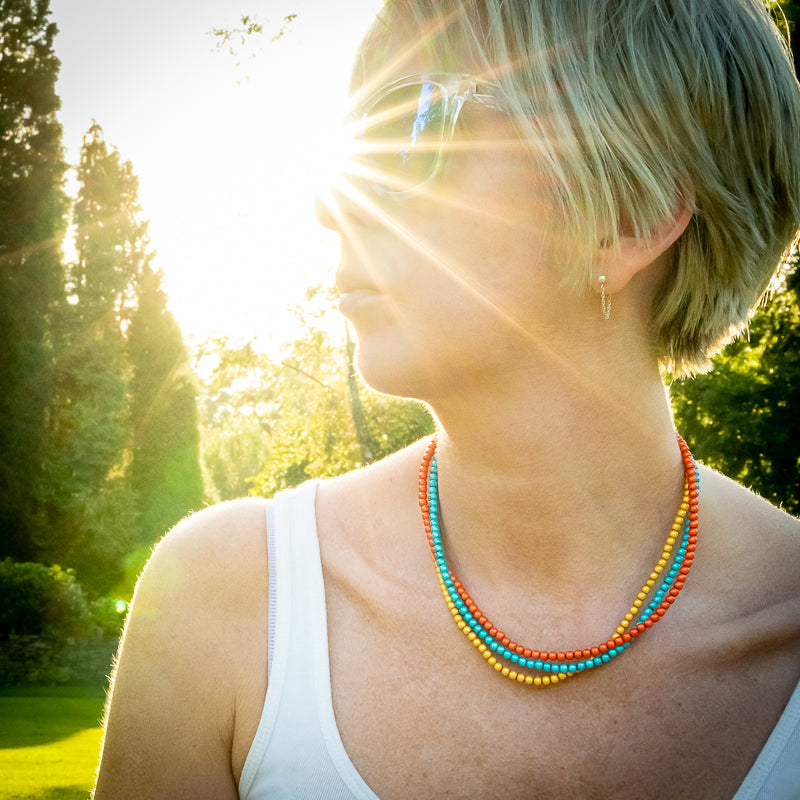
{"x": 391, "y": 365}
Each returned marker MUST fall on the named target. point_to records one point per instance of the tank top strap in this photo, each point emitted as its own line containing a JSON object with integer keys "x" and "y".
{"x": 297, "y": 751}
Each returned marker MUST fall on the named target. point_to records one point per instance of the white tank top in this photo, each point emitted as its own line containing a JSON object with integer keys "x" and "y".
{"x": 297, "y": 752}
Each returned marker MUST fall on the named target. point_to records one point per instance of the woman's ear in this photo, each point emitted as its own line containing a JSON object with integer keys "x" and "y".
{"x": 621, "y": 259}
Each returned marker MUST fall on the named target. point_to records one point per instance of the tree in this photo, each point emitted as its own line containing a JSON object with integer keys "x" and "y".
{"x": 791, "y": 11}
{"x": 32, "y": 211}
{"x": 237, "y": 411}
{"x": 743, "y": 418}
{"x": 90, "y": 504}
{"x": 273, "y": 422}
{"x": 321, "y": 420}
{"x": 165, "y": 472}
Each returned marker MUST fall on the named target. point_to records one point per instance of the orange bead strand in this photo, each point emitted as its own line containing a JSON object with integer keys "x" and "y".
{"x": 495, "y": 646}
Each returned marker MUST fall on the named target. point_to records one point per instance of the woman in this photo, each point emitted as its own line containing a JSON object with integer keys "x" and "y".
{"x": 550, "y": 199}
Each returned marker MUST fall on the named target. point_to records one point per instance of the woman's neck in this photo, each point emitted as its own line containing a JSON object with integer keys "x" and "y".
{"x": 559, "y": 476}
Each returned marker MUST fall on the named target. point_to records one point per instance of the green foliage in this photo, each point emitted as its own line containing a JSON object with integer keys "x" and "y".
{"x": 743, "y": 418}
{"x": 292, "y": 417}
{"x": 165, "y": 471}
{"x": 236, "y": 403}
{"x": 787, "y": 15}
{"x": 32, "y": 211}
{"x": 233, "y": 40}
{"x": 108, "y": 614}
{"x": 89, "y": 505}
{"x": 36, "y": 600}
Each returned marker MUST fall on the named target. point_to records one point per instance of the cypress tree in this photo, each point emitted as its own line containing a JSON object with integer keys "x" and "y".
{"x": 90, "y": 508}
{"x": 32, "y": 221}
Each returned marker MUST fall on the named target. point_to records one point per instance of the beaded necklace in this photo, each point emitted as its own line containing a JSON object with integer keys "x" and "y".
{"x": 509, "y": 658}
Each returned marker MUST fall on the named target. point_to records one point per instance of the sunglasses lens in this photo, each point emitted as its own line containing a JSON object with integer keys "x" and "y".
{"x": 403, "y": 136}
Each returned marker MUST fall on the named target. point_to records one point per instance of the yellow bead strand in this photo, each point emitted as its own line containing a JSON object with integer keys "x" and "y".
{"x": 675, "y": 531}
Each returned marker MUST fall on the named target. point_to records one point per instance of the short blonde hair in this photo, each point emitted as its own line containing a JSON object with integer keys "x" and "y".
{"x": 629, "y": 104}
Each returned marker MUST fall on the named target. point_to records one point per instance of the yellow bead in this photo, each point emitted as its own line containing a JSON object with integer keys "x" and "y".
{"x": 498, "y": 667}
{"x": 546, "y": 680}
{"x": 667, "y": 548}
{"x": 482, "y": 648}
{"x": 520, "y": 678}
{"x": 662, "y": 562}
{"x": 620, "y": 630}
{"x": 472, "y": 636}
{"x": 504, "y": 671}
{"x": 462, "y": 625}
{"x": 653, "y": 576}
{"x": 537, "y": 680}
{"x": 529, "y": 680}
{"x": 650, "y": 583}
{"x": 659, "y": 569}
{"x": 493, "y": 661}
{"x": 640, "y": 596}
{"x": 637, "y": 603}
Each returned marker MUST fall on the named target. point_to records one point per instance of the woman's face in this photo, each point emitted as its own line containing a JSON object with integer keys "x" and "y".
{"x": 455, "y": 283}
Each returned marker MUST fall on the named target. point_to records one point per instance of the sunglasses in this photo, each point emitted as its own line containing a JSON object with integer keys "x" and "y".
{"x": 404, "y": 129}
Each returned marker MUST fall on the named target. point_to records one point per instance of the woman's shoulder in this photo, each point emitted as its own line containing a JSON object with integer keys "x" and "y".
{"x": 753, "y": 549}
{"x": 209, "y": 573}
{"x": 203, "y": 575}
{"x": 746, "y": 515}
{"x": 374, "y": 495}
{"x": 220, "y": 538}
{"x": 197, "y": 629}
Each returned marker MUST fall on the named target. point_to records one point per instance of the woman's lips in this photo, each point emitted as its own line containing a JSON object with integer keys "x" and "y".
{"x": 357, "y": 291}
{"x": 359, "y": 301}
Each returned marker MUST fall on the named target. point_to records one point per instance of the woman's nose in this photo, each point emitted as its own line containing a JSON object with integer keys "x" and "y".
{"x": 324, "y": 212}
{"x": 347, "y": 204}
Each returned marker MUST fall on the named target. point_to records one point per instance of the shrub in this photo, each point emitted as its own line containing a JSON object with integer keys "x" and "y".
{"x": 37, "y": 600}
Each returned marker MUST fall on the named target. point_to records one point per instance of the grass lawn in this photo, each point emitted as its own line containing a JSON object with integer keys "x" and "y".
{"x": 49, "y": 743}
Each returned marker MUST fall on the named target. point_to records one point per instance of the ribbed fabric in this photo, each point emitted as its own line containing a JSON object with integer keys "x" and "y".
{"x": 776, "y": 773}
{"x": 297, "y": 752}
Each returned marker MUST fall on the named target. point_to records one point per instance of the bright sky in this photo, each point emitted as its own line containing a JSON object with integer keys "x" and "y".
{"x": 224, "y": 163}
